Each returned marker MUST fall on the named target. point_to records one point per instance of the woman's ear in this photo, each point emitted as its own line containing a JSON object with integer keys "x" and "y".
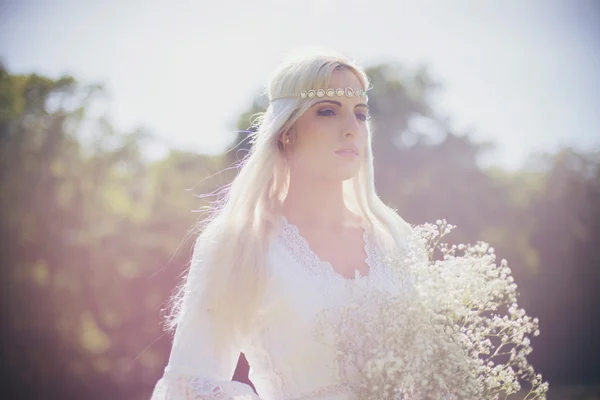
{"x": 285, "y": 138}
{"x": 289, "y": 135}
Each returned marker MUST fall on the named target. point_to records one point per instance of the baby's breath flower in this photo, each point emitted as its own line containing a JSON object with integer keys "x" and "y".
{"x": 444, "y": 334}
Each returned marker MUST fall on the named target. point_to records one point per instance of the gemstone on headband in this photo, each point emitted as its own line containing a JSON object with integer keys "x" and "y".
{"x": 330, "y": 92}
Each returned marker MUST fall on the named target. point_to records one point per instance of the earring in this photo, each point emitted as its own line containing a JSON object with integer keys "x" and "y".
{"x": 286, "y": 140}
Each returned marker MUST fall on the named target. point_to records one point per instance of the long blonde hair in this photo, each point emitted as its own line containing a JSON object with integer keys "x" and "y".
{"x": 235, "y": 238}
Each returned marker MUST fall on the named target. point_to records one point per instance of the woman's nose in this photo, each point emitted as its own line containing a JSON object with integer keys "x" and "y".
{"x": 351, "y": 125}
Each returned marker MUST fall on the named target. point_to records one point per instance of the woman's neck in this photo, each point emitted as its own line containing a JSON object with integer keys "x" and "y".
{"x": 316, "y": 203}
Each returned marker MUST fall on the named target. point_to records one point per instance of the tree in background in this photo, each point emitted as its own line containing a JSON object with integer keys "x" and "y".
{"x": 90, "y": 233}
{"x": 95, "y": 236}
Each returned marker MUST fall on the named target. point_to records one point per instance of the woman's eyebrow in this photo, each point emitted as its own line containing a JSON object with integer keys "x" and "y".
{"x": 337, "y": 103}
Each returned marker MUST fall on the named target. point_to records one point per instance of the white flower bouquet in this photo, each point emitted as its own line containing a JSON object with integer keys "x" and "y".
{"x": 456, "y": 333}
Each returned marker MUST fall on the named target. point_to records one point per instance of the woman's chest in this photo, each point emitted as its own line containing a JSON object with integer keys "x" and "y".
{"x": 345, "y": 254}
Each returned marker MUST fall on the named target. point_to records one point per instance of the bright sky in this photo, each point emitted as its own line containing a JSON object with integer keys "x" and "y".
{"x": 523, "y": 74}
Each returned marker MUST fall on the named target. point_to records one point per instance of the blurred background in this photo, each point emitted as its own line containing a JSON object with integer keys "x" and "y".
{"x": 115, "y": 117}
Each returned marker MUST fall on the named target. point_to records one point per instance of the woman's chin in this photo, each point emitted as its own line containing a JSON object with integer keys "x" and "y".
{"x": 347, "y": 173}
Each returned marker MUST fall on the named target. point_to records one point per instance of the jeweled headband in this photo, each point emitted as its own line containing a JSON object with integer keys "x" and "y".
{"x": 318, "y": 93}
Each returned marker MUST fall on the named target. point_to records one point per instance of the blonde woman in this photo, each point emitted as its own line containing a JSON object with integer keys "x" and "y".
{"x": 300, "y": 224}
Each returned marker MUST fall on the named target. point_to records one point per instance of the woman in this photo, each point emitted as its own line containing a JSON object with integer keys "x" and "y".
{"x": 299, "y": 226}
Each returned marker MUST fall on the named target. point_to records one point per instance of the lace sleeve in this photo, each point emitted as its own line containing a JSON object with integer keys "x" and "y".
{"x": 196, "y": 370}
{"x": 188, "y": 387}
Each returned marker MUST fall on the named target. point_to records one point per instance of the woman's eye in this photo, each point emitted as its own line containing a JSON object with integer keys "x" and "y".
{"x": 363, "y": 117}
{"x": 327, "y": 112}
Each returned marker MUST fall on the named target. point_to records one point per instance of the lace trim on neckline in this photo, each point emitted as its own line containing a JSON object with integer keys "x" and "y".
{"x": 300, "y": 250}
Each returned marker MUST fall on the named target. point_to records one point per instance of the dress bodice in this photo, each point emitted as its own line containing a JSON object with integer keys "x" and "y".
{"x": 289, "y": 350}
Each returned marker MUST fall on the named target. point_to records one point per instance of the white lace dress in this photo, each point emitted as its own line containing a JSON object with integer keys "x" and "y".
{"x": 287, "y": 360}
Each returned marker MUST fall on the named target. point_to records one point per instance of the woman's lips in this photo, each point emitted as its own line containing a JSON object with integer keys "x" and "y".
{"x": 347, "y": 153}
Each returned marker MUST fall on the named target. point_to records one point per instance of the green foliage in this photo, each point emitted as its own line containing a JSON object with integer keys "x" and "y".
{"x": 95, "y": 237}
